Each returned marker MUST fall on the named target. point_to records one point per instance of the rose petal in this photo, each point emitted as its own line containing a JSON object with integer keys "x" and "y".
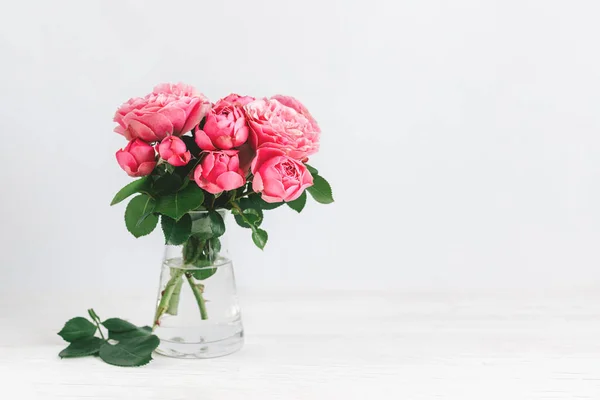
{"x": 271, "y": 199}
{"x": 141, "y": 151}
{"x": 126, "y": 162}
{"x": 160, "y": 125}
{"x": 223, "y": 142}
{"x": 230, "y": 180}
{"x": 146, "y": 168}
{"x": 264, "y": 154}
{"x": 234, "y": 163}
{"x": 176, "y": 116}
{"x": 136, "y": 129}
{"x": 203, "y": 141}
{"x": 196, "y": 112}
{"x": 257, "y": 183}
{"x": 208, "y": 163}
{"x": 273, "y": 187}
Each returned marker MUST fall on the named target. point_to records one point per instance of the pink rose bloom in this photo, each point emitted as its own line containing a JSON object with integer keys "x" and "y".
{"x": 276, "y": 125}
{"x": 278, "y": 177}
{"x": 137, "y": 158}
{"x": 169, "y": 110}
{"x": 289, "y": 101}
{"x": 225, "y": 126}
{"x": 176, "y": 89}
{"x": 237, "y": 99}
{"x": 174, "y": 151}
{"x": 219, "y": 171}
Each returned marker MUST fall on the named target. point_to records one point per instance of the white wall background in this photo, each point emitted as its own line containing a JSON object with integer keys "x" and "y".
{"x": 462, "y": 138}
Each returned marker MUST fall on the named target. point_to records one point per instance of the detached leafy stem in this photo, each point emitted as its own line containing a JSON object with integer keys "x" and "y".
{"x": 96, "y": 320}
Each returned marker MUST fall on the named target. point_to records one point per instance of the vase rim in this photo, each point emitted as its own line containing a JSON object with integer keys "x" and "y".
{"x": 219, "y": 210}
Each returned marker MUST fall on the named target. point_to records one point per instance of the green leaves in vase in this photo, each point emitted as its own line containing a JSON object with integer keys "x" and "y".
{"x": 169, "y": 194}
{"x": 141, "y": 185}
{"x": 129, "y": 345}
{"x": 176, "y": 205}
{"x": 138, "y": 215}
{"x": 176, "y": 232}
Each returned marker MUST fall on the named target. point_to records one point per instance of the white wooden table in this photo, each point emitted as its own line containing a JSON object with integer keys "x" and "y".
{"x": 319, "y": 345}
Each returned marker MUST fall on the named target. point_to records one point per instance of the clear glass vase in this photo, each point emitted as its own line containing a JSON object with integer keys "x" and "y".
{"x": 197, "y": 313}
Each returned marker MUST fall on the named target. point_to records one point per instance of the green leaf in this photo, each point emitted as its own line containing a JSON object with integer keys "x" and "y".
{"x": 313, "y": 171}
{"x": 140, "y": 185}
{"x": 169, "y": 183}
{"x": 202, "y": 227}
{"x": 204, "y": 273}
{"x": 118, "y": 325}
{"x": 260, "y": 237}
{"x": 146, "y": 211}
{"x": 260, "y": 204}
{"x": 240, "y": 221}
{"x": 137, "y": 332}
{"x": 77, "y": 328}
{"x": 176, "y": 205}
{"x": 321, "y": 190}
{"x": 192, "y": 249}
{"x": 215, "y": 245}
{"x": 217, "y": 225}
{"x": 208, "y": 225}
{"x": 299, "y": 203}
{"x": 253, "y": 219}
{"x": 252, "y": 212}
{"x": 135, "y": 221}
{"x": 130, "y": 353}
{"x": 82, "y": 347}
{"x": 176, "y": 232}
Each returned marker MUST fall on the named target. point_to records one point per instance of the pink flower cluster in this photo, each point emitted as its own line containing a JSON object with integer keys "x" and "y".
{"x": 240, "y": 137}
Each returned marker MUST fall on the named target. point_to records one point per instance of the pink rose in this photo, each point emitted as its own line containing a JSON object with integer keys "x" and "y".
{"x": 137, "y": 158}
{"x": 278, "y": 177}
{"x": 174, "y": 151}
{"x": 237, "y": 99}
{"x": 289, "y": 101}
{"x": 276, "y": 125}
{"x": 169, "y": 110}
{"x": 219, "y": 171}
{"x": 225, "y": 126}
{"x": 177, "y": 89}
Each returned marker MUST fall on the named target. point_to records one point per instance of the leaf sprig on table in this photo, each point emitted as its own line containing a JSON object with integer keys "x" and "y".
{"x": 126, "y": 345}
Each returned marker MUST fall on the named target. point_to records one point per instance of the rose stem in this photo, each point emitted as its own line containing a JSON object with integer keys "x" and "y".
{"x": 198, "y": 295}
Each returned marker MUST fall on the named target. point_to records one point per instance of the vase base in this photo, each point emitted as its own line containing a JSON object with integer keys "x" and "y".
{"x": 219, "y": 348}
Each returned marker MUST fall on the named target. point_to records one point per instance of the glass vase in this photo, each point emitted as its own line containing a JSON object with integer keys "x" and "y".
{"x": 197, "y": 313}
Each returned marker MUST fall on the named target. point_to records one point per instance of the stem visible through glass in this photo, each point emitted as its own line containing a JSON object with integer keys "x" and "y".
{"x": 165, "y": 299}
{"x": 197, "y": 289}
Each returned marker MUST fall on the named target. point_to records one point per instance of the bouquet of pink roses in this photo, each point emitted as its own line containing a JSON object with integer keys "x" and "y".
{"x": 241, "y": 153}
{"x": 195, "y": 162}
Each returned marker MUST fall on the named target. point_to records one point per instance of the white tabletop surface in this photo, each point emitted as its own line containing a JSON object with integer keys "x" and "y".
{"x": 328, "y": 345}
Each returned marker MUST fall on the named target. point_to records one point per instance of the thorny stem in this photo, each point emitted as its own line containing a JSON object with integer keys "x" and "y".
{"x": 197, "y": 290}
{"x": 163, "y": 305}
